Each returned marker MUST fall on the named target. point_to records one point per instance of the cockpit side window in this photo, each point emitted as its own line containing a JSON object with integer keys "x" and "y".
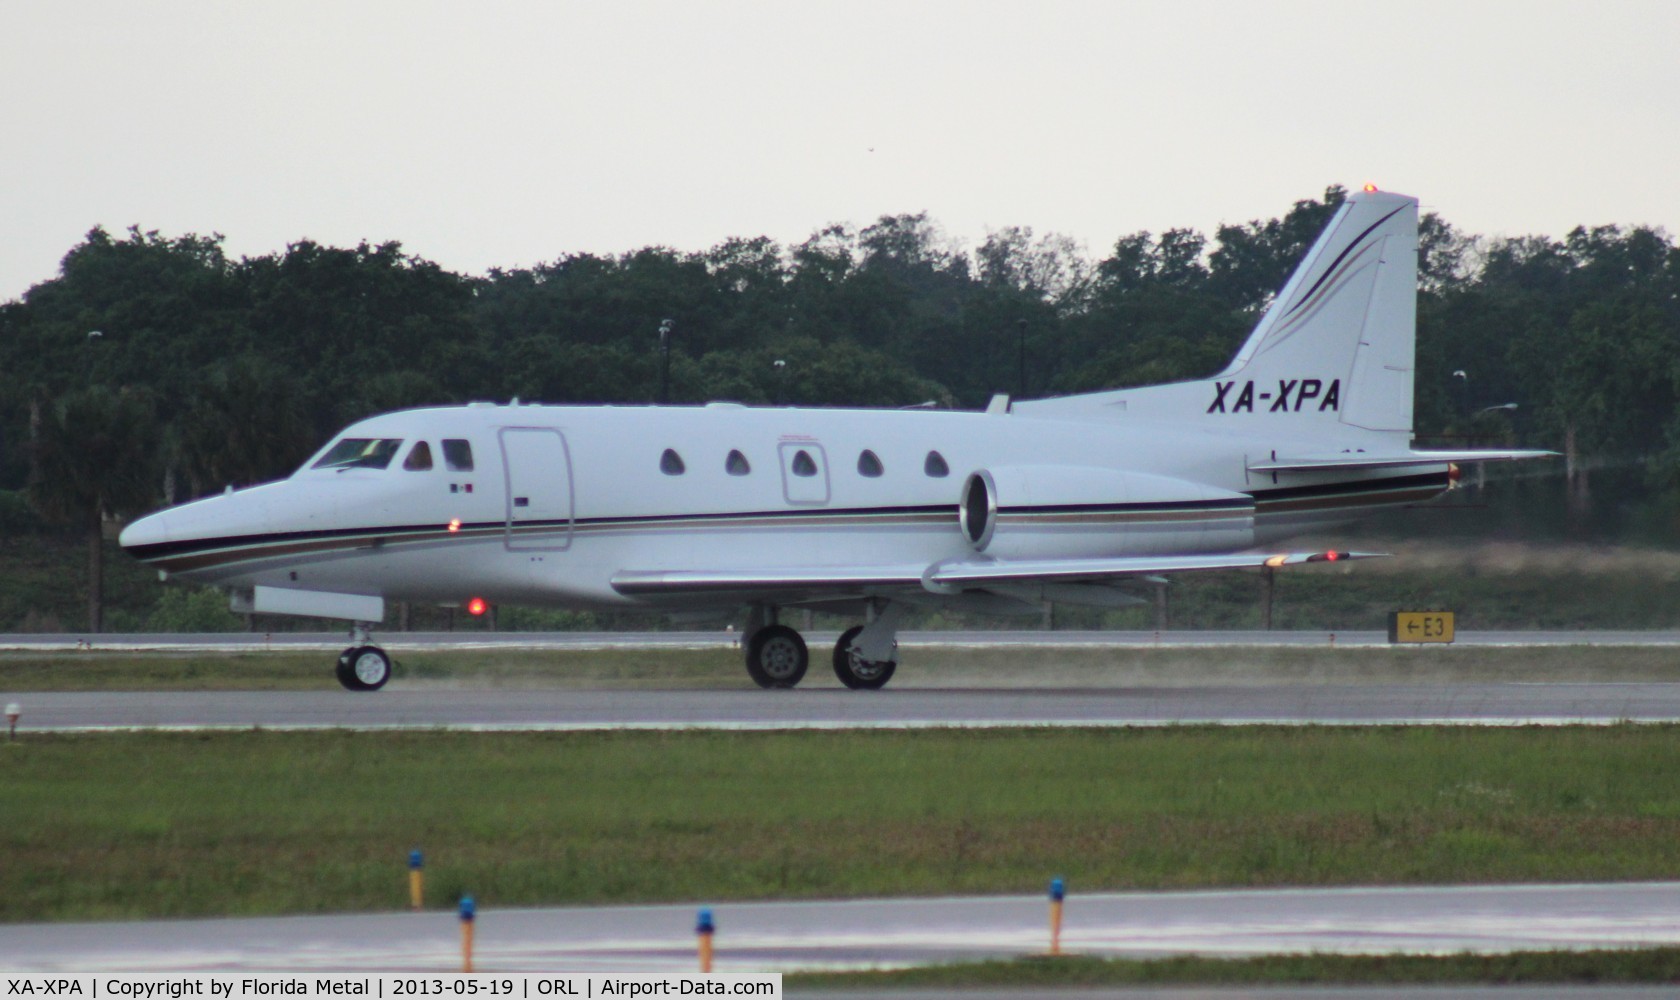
{"x": 419, "y": 457}
{"x": 359, "y": 453}
{"x": 457, "y": 455}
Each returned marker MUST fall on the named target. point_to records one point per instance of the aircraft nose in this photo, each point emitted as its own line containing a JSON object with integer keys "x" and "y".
{"x": 152, "y": 529}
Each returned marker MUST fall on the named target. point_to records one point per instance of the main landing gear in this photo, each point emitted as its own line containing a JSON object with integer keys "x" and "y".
{"x": 865, "y": 658}
{"x": 363, "y": 667}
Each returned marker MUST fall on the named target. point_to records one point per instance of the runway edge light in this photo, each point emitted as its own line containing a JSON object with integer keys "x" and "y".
{"x": 13, "y": 710}
{"x": 416, "y": 880}
{"x": 1058, "y": 892}
{"x": 704, "y": 927}
{"x": 469, "y": 911}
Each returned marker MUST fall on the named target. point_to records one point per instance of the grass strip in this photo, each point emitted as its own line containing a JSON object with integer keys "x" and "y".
{"x": 258, "y": 822}
{"x": 922, "y": 666}
{"x": 1641, "y": 965}
{"x": 308, "y": 671}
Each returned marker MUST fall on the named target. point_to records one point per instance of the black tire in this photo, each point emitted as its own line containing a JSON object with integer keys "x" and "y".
{"x": 777, "y": 657}
{"x": 346, "y": 676}
{"x": 854, "y": 671}
{"x": 364, "y": 668}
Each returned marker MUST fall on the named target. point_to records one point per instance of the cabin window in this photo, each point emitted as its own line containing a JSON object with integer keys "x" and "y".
{"x": 360, "y": 453}
{"x": 935, "y": 465}
{"x": 803, "y": 464}
{"x": 457, "y": 455}
{"x": 869, "y": 464}
{"x": 419, "y": 457}
{"x": 736, "y": 464}
{"x": 671, "y": 463}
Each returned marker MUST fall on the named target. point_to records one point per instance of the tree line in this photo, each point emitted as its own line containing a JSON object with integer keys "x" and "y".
{"x": 155, "y": 368}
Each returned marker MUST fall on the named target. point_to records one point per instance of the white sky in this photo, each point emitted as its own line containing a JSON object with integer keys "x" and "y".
{"x": 512, "y": 133}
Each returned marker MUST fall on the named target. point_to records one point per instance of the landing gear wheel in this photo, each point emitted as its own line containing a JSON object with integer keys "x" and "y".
{"x": 856, "y": 672}
{"x": 363, "y": 668}
{"x": 777, "y": 657}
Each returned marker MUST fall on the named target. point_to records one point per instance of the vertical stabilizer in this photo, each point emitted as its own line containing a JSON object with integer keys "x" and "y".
{"x": 1333, "y": 353}
{"x": 1349, "y": 312}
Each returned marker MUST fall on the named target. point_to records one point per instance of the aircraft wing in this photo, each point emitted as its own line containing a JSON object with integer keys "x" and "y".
{"x": 977, "y": 573}
{"x": 650, "y": 583}
{"x": 1361, "y": 460}
{"x": 952, "y": 576}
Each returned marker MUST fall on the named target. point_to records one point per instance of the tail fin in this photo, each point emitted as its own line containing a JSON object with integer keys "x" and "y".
{"x": 1336, "y": 347}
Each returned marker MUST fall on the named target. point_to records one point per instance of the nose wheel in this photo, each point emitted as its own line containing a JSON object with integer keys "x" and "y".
{"x": 363, "y": 668}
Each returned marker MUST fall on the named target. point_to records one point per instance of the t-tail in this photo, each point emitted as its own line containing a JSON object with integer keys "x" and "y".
{"x": 1329, "y": 368}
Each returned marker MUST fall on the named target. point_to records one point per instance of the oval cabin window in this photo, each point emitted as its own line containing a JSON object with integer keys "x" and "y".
{"x": 671, "y": 463}
{"x": 935, "y": 465}
{"x": 869, "y": 464}
{"x": 803, "y": 464}
{"x": 736, "y": 464}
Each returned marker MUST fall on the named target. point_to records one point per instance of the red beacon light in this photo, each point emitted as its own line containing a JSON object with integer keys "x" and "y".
{"x": 1370, "y": 189}
{"x": 477, "y": 606}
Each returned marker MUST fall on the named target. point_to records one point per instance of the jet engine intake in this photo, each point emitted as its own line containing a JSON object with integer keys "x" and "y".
{"x": 1053, "y": 511}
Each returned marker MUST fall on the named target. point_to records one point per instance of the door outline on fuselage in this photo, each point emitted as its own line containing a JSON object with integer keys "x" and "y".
{"x": 545, "y": 462}
{"x": 800, "y": 490}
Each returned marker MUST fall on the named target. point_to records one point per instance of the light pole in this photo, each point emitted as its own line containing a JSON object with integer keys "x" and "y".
{"x": 781, "y": 370}
{"x": 1021, "y": 365}
{"x": 664, "y": 361}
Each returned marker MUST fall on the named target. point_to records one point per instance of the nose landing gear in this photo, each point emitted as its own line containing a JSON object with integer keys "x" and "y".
{"x": 363, "y": 667}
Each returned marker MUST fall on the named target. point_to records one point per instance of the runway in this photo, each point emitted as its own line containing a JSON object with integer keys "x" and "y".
{"x": 719, "y": 638}
{"x": 780, "y": 937}
{"x": 421, "y": 707}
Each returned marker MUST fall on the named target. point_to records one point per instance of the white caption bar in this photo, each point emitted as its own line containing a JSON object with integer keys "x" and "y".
{"x": 522, "y": 986}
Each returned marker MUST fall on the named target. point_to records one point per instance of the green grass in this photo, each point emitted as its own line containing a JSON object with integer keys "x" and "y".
{"x": 1642, "y": 965}
{"x": 102, "y": 826}
{"x": 303, "y": 671}
{"x": 921, "y": 666}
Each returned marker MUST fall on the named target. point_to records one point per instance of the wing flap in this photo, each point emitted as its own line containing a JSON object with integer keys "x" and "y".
{"x": 1360, "y": 460}
{"x": 969, "y": 573}
{"x": 947, "y": 577}
{"x": 653, "y": 583}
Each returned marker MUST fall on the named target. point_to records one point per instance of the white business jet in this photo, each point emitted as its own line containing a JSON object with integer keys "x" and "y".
{"x": 866, "y": 512}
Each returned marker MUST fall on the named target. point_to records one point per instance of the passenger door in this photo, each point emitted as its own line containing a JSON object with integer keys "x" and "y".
{"x": 537, "y": 470}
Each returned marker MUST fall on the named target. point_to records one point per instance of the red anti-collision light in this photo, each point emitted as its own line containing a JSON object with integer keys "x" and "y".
{"x": 477, "y": 606}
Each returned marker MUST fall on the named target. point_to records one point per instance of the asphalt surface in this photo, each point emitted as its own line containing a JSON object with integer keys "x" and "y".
{"x": 718, "y": 638}
{"x": 781, "y": 937}
{"x": 897, "y": 707}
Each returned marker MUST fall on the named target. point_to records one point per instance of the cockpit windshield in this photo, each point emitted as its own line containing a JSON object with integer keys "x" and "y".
{"x": 359, "y": 453}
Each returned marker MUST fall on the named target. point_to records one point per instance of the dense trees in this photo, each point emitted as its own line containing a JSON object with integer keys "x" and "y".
{"x": 155, "y": 368}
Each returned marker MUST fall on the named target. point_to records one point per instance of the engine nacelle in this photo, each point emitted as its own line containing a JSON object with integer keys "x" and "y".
{"x": 1055, "y": 511}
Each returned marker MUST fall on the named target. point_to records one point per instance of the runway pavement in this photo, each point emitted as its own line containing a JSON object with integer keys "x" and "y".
{"x": 771, "y": 937}
{"x": 718, "y": 638}
{"x": 422, "y": 707}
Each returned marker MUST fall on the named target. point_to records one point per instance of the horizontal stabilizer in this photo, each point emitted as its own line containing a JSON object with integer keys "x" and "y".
{"x": 1362, "y": 460}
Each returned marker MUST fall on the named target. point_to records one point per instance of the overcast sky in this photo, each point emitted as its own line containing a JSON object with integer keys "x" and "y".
{"x": 511, "y": 133}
